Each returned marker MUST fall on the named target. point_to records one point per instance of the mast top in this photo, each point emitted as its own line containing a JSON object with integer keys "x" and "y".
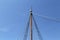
{"x": 31, "y": 11}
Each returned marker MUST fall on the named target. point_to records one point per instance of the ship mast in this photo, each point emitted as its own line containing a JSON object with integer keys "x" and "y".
{"x": 31, "y": 24}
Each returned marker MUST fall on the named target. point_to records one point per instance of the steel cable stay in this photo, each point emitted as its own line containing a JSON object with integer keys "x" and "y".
{"x": 26, "y": 31}
{"x": 39, "y": 34}
{"x": 48, "y": 18}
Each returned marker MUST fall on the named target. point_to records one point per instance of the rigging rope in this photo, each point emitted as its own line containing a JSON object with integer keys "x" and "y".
{"x": 49, "y": 18}
{"x": 26, "y": 31}
{"x": 39, "y": 34}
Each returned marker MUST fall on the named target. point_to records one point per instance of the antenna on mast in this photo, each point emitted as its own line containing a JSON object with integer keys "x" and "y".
{"x": 31, "y": 11}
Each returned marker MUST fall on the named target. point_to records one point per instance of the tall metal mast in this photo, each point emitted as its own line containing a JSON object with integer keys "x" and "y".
{"x": 31, "y": 24}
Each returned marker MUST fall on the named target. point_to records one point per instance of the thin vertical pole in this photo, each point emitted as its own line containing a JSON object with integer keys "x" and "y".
{"x": 31, "y": 25}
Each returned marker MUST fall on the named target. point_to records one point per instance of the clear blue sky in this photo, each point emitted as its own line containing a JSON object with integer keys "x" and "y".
{"x": 14, "y": 15}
